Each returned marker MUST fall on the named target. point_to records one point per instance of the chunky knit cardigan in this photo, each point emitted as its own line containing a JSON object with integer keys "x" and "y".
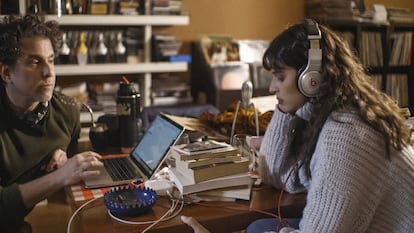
{"x": 354, "y": 187}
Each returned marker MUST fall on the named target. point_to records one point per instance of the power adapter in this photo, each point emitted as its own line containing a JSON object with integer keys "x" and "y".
{"x": 160, "y": 186}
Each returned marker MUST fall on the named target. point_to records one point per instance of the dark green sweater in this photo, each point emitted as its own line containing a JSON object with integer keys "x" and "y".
{"x": 25, "y": 147}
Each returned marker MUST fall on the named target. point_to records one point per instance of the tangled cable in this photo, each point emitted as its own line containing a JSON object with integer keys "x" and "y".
{"x": 177, "y": 204}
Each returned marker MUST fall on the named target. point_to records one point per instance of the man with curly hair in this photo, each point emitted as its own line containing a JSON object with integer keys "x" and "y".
{"x": 39, "y": 127}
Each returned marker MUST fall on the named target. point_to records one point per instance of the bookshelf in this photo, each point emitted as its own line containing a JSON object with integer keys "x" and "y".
{"x": 139, "y": 72}
{"x": 386, "y": 51}
{"x": 404, "y": 67}
{"x": 144, "y": 70}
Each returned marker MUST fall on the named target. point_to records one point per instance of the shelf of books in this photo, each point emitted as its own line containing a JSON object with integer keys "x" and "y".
{"x": 386, "y": 51}
{"x": 133, "y": 31}
{"x": 400, "y": 67}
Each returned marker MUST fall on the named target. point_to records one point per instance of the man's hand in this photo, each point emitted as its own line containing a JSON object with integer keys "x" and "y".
{"x": 79, "y": 167}
{"x": 70, "y": 171}
{"x": 58, "y": 159}
{"x": 197, "y": 227}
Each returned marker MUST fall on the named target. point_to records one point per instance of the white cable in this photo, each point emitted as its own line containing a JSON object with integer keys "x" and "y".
{"x": 172, "y": 211}
{"x": 174, "y": 206}
{"x": 77, "y": 211}
{"x": 135, "y": 222}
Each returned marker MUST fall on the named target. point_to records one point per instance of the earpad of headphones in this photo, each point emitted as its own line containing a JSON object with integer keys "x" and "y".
{"x": 310, "y": 78}
{"x": 309, "y": 83}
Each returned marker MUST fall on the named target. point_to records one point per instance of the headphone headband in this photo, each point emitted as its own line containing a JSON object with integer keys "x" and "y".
{"x": 312, "y": 29}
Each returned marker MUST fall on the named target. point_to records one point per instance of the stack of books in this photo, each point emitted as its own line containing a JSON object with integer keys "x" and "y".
{"x": 209, "y": 165}
{"x": 166, "y": 7}
{"x": 163, "y": 47}
{"x": 400, "y": 15}
{"x": 168, "y": 90}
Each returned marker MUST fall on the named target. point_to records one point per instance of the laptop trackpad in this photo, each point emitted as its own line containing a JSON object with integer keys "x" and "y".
{"x": 100, "y": 180}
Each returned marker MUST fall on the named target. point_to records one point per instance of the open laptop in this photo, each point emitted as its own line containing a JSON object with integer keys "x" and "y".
{"x": 145, "y": 159}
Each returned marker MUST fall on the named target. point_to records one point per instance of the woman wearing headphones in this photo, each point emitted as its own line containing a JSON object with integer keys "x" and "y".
{"x": 334, "y": 136}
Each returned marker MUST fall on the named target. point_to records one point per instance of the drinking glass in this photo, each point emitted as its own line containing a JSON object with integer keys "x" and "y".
{"x": 239, "y": 141}
{"x": 248, "y": 148}
{"x": 184, "y": 139}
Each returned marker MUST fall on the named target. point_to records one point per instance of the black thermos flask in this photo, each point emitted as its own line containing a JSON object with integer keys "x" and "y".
{"x": 127, "y": 107}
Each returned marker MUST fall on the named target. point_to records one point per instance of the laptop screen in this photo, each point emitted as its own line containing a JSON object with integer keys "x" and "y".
{"x": 155, "y": 144}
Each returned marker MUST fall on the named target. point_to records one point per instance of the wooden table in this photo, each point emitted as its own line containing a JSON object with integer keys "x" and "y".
{"x": 215, "y": 216}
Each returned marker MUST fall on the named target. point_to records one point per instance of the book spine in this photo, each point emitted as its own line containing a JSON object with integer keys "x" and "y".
{"x": 204, "y": 162}
{"x": 186, "y": 186}
{"x": 224, "y": 153}
{"x": 217, "y": 171}
{"x": 212, "y": 171}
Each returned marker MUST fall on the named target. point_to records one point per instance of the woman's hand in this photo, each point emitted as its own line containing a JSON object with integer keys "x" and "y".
{"x": 193, "y": 223}
{"x": 79, "y": 167}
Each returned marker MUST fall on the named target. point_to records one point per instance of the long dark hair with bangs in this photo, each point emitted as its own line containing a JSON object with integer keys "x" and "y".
{"x": 345, "y": 86}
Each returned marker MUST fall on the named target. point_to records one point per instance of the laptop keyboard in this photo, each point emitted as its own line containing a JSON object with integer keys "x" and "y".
{"x": 119, "y": 168}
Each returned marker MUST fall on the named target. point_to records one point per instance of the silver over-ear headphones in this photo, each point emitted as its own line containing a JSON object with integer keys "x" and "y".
{"x": 309, "y": 79}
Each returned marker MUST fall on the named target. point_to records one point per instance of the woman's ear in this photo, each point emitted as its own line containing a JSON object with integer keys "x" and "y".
{"x": 4, "y": 72}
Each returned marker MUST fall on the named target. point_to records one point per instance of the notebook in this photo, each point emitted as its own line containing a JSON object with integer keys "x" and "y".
{"x": 146, "y": 157}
